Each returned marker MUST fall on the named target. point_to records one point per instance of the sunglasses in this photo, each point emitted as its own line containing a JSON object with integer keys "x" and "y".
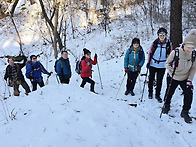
{"x": 162, "y": 35}
{"x": 34, "y": 58}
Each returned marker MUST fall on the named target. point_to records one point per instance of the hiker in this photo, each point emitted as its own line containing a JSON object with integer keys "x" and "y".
{"x": 181, "y": 71}
{"x": 34, "y": 71}
{"x": 159, "y": 51}
{"x": 86, "y": 73}
{"x": 14, "y": 75}
{"x": 133, "y": 61}
{"x": 63, "y": 68}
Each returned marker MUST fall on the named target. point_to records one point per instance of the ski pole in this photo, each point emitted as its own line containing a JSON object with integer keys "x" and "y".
{"x": 99, "y": 75}
{"x": 144, "y": 85}
{"x": 120, "y": 85}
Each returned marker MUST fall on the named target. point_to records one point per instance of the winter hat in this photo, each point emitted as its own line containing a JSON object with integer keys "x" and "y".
{"x": 31, "y": 57}
{"x": 190, "y": 39}
{"x": 86, "y": 51}
{"x": 135, "y": 40}
{"x": 162, "y": 30}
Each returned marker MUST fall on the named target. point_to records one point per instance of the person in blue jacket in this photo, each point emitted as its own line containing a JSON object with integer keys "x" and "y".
{"x": 133, "y": 61}
{"x": 63, "y": 68}
{"x": 34, "y": 70}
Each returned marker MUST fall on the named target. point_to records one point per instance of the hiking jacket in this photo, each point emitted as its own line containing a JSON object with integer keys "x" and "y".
{"x": 34, "y": 71}
{"x": 18, "y": 66}
{"x": 63, "y": 68}
{"x": 134, "y": 58}
{"x": 185, "y": 70}
{"x": 87, "y": 69}
{"x": 158, "y": 53}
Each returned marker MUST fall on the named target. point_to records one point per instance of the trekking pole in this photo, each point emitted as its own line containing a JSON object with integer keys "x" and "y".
{"x": 167, "y": 92}
{"x": 99, "y": 75}
{"x": 48, "y": 78}
{"x": 57, "y": 79}
{"x": 144, "y": 85}
{"x": 140, "y": 83}
{"x": 120, "y": 85}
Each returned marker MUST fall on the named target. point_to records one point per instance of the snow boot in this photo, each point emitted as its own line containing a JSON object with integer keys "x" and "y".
{"x": 127, "y": 92}
{"x": 16, "y": 93}
{"x": 150, "y": 95}
{"x": 158, "y": 98}
{"x": 132, "y": 93}
{"x": 185, "y": 115}
{"x": 166, "y": 108}
{"x": 94, "y": 92}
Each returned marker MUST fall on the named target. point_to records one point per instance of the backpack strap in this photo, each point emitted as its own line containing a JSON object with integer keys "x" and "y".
{"x": 193, "y": 56}
{"x": 176, "y": 56}
{"x": 168, "y": 50}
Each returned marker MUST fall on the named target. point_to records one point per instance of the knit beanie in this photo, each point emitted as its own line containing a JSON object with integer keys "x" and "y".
{"x": 162, "y": 30}
{"x": 190, "y": 39}
{"x": 135, "y": 40}
{"x": 86, "y": 51}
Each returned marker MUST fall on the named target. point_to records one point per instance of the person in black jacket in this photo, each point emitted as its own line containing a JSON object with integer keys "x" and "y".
{"x": 15, "y": 76}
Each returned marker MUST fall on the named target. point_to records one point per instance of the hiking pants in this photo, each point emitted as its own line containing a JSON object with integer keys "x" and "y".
{"x": 41, "y": 84}
{"x": 131, "y": 80}
{"x": 159, "y": 79}
{"x": 188, "y": 93}
{"x": 24, "y": 85}
{"x": 87, "y": 79}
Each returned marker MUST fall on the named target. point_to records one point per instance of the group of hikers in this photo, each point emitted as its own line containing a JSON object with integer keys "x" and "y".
{"x": 179, "y": 63}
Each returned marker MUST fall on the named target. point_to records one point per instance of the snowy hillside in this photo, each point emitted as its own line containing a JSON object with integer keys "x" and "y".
{"x": 67, "y": 115}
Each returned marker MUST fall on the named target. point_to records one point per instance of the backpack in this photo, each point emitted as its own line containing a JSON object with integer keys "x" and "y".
{"x": 56, "y": 64}
{"x": 30, "y": 62}
{"x": 78, "y": 68}
{"x": 176, "y": 56}
{"x": 155, "y": 44}
{"x": 141, "y": 53}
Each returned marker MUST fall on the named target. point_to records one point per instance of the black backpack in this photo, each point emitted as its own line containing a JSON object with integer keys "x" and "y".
{"x": 176, "y": 56}
{"x": 56, "y": 64}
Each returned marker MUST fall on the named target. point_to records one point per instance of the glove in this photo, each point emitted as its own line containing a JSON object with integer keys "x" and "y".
{"x": 95, "y": 56}
{"x": 189, "y": 84}
{"x": 147, "y": 65}
{"x": 126, "y": 70}
{"x": 138, "y": 67}
{"x": 49, "y": 74}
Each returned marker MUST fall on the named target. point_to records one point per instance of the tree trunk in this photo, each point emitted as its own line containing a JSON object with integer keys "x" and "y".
{"x": 51, "y": 24}
{"x": 13, "y": 7}
{"x": 55, "y": 31}
{"x": 176, "y": 22}
{"x": 32, "y": 2}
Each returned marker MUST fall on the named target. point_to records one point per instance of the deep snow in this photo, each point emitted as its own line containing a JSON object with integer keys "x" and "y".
{"x": 67, "y": 115}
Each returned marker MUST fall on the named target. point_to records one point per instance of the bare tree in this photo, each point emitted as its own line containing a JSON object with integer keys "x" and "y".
{"x": 176, "y": 22}
{"x": 14, "y": 7}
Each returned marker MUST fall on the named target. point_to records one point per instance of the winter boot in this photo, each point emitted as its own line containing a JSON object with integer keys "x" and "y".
{"x": 185, "y": 115}
{"x": 16, "y": 93}
{"x": 150, "y": 95}
{"x": 166, "y": 108}
{"x": 126, "y": 92}
{"x": 158, "y": 98}
{"x": 132, "y": 93}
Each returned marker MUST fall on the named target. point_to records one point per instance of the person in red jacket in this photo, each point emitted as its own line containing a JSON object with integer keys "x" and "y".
{"x": 86, "y": 73}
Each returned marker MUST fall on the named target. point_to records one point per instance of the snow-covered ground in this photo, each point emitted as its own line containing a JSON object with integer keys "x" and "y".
{"x": 67, "y": 115}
